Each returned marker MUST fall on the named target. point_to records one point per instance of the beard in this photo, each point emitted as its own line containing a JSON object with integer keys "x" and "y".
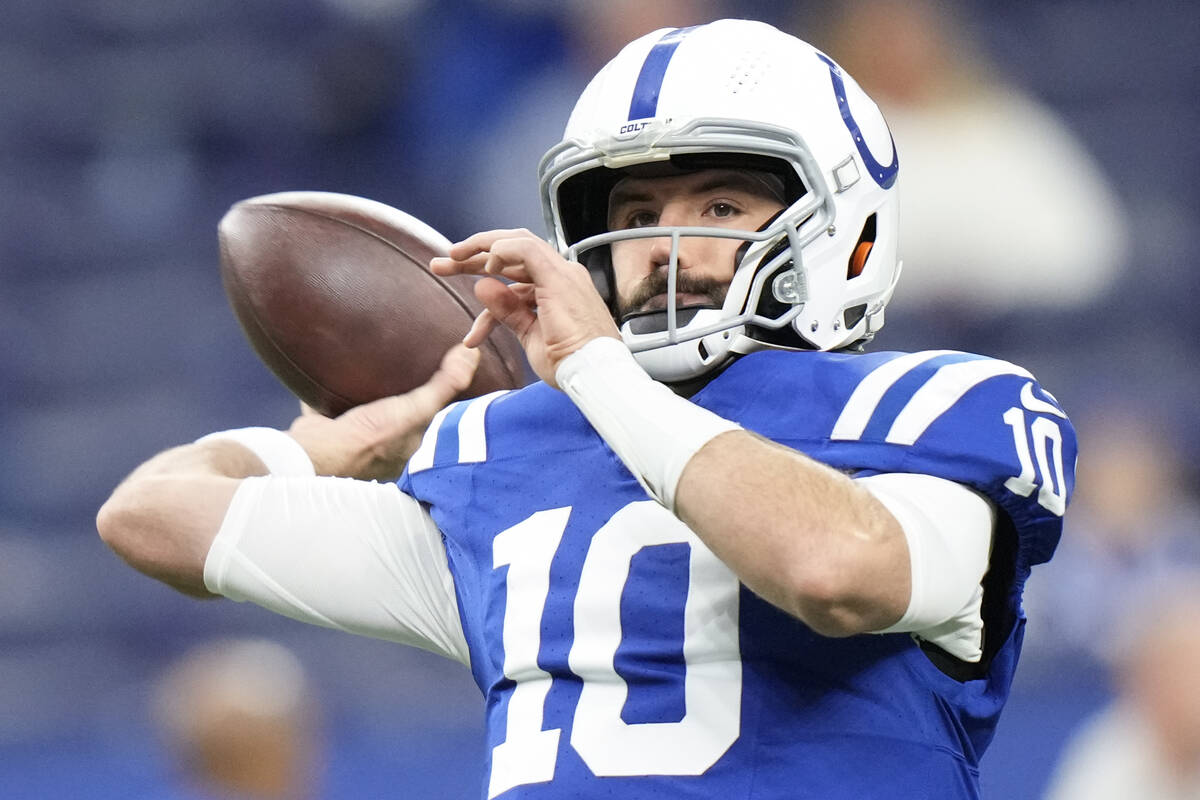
{"x": 655, "y": 284}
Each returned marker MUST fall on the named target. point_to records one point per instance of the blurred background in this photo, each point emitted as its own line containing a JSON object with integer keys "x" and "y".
{"x": 1049, "y": 182}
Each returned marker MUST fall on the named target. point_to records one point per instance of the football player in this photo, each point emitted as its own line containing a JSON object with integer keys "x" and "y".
{"x": 718, "y": 550}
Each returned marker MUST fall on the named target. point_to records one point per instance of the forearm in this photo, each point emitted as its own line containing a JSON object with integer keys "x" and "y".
{"x": 164, "y": 517}
{"x": 209, "y": 458}
{"x": 799, "y": 534}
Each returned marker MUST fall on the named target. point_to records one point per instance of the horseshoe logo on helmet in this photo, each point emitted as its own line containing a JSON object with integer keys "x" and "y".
{"x": 883, "y": 175}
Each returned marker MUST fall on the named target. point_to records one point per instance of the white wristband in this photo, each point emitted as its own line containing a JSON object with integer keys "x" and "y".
{"x": 282, "y": 454}
{"x": 651, "y": 429}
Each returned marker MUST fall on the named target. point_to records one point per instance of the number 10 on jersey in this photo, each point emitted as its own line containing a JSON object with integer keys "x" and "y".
{"x": 607, "y": 744}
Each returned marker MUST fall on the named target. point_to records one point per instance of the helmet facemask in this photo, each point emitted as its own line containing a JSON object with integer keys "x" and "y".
{"x": 768, "y": 289}
{"x": 742, "y": 95}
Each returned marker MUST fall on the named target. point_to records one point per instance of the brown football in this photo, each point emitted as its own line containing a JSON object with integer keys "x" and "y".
{"x": 335, "y": 295}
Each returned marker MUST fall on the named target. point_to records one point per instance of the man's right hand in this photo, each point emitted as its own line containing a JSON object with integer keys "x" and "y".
{"x": 375, "y": 440}
{"x": 163, "y": 518}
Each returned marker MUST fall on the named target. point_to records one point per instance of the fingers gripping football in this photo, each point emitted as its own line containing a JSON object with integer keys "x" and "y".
{"x": 550, "y": 304}
{"x": 373, "y": 441}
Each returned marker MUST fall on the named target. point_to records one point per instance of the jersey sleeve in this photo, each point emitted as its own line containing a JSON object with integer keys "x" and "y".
{"x": 978, "y": 421}
{"x": 948, "y": 528}
{"x": 982, "y": 422}
{"x": 356, "y": 556}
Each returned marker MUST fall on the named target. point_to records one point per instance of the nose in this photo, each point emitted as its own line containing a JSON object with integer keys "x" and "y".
{"x": 660, "y": 252}
{"x": 673, "y": 214}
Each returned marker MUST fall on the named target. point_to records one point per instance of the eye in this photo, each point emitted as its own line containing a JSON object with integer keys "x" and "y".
{"x": 640, "y": 219}
{"x": 723, "y": 210}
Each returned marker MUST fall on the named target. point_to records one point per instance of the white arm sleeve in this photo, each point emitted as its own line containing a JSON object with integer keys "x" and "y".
{"x": 361, "y": 557}
{"x": 949, "y": 531}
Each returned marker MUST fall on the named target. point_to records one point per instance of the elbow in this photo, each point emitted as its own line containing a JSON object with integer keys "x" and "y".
{"x": 834, "y": 622}
{"x": 838, "y": 598}
{"x": 123, "y": 523}
{"x": 132, "y": 525}
{"x": 114, "y": 523}
{"x": 828, "y": 610}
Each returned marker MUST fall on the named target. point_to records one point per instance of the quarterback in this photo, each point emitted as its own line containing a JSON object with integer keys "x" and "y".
{"x": 719, "y": 550}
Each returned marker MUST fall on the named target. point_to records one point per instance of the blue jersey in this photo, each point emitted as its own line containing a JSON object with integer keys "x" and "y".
{"x": 620, "y": 659}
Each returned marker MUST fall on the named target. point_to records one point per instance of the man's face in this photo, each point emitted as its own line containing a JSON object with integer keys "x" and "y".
{"x": 718, "y": 198}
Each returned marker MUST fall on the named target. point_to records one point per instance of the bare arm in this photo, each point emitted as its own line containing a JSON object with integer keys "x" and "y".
{"x": 801, "y": 535}
{"x": 163, "y": 518}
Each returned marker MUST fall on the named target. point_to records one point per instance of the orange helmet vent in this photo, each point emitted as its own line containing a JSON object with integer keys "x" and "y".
{"x": 858, "y": 259}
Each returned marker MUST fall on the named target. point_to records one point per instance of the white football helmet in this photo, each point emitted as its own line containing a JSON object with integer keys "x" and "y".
{"x": 740, "y": 94}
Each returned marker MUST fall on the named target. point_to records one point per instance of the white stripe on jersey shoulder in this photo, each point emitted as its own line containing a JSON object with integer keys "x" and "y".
{"x": 943, "y": 390}
{"x": 862, "y": 403}
{"x": 472, "y": 433}
{"x": 423, "y": 458}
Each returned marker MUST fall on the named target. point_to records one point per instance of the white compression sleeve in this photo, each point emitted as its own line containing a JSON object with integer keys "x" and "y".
{"x": 651, "y": 429}
{"x": 949, "y": 532}
{"x": 354, "y": 555}
{"x": 281, "y": 454}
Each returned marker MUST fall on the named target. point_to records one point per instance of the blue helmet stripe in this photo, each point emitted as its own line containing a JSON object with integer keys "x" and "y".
{"x": 884, "y": 175}
{"x": 654, "y": 68}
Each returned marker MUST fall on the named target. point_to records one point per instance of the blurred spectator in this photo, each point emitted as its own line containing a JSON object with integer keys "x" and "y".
{"x": 1133, "y": 523}
{"x": 502, "y": 173}
{"x": 472, "y": 64}
{"x": 240, "y": 719}
{"x": 1147, "y": 744}
{"x": 1000, "y": 204}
